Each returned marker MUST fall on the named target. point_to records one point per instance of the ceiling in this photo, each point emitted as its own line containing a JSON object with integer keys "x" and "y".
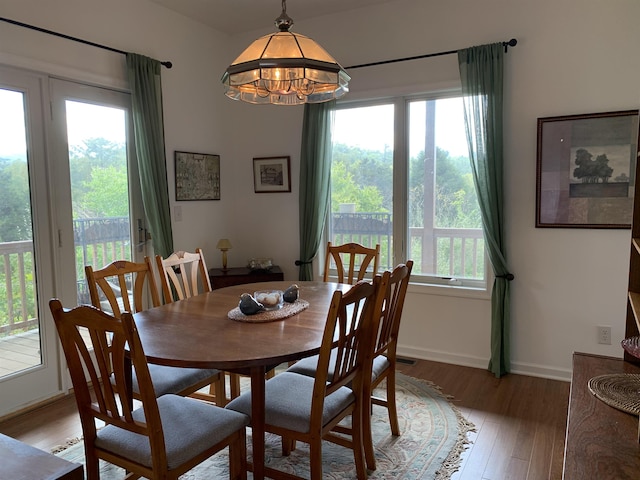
{"x": 238, "y": 16}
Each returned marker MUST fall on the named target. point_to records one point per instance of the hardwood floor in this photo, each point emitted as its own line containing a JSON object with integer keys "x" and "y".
{"x": 520, "y": 421}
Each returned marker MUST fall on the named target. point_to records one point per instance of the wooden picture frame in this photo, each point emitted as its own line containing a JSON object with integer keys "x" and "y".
{"x": 271, "y": 174}
{"x": 586, "y": 170}
{"x": 197, "y": 176}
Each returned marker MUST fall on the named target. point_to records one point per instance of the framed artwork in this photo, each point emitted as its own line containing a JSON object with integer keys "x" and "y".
{"x": 586, "y": 168}
{"x": 271, "y": 174}
{"x": 197, "y": 176}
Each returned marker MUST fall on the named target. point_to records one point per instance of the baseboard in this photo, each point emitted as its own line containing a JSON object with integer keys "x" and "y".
{"x": 532, "y": 370}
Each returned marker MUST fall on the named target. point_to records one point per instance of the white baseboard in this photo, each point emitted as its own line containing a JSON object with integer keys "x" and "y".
{"x": 532, "y": 370}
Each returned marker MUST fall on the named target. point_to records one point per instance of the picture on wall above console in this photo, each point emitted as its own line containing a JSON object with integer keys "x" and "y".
{"x": 586, "y": 168}
{"x": 271, "y": 174}
{"x": 197, "y": 176}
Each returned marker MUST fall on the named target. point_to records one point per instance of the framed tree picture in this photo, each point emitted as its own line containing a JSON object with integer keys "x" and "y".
{"x": 197, "y": 176}
{"x": 586, "y": 169}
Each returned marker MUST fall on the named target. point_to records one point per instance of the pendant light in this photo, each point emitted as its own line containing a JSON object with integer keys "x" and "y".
{"x": 285, "y": 68}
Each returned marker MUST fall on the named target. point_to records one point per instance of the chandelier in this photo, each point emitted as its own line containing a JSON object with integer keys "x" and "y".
{"x": 285, "y": 68}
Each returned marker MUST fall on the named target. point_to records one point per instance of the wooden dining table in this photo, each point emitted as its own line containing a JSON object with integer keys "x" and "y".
{"x": 197, "y": 332}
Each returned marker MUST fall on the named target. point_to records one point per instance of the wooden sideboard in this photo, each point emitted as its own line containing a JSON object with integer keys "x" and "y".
{"x": 601, "y": 441}
{"x": 241, "y": 275}
{"x": 19, "y": 461}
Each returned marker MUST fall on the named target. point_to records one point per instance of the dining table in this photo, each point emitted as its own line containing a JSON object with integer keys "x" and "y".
{"x": 204, "y": 331}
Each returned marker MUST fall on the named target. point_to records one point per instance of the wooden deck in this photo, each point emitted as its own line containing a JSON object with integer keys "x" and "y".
{"x": 19, "y": 352}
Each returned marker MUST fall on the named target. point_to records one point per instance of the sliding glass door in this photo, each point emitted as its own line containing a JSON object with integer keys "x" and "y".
{"x": 65, "y": 202}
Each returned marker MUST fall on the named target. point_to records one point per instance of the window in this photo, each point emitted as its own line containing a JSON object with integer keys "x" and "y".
{"x": 401, "y": 178}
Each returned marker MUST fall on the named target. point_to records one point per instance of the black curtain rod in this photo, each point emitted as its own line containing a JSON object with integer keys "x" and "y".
{"x": 79, "y": 40}
{"x": 511, "y": 43}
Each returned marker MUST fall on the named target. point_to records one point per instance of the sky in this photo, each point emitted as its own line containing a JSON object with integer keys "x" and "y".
{"x": 372, "y": 127}
{"x": 83, "y": 121}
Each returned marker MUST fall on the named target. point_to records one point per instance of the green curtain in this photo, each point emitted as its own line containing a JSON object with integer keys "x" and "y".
{"x": 148, "y": 125}
{"x": 315, "y": 174}
{"x": 481, "y": 72}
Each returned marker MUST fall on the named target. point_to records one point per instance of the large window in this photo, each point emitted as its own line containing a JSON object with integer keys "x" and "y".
{"x": 401, "y": 178}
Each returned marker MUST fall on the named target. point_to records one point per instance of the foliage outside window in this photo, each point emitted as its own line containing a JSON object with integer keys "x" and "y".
{"x": 401, "y": 178}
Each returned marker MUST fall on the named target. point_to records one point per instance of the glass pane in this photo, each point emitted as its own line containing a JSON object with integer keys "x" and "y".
{"x": 99, "y": 187}
{"x": 362, "y": 179}
{"x": 19, "y": 324}
{"x": 445, "y": 226}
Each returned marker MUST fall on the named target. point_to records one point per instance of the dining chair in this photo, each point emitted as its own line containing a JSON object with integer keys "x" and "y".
{"x": 381, "y": 361}
{"x": 122, "y": 286}
{"x": 301, "y": 408}
{"x": 352, "y": 261}
{"x": 165, "y": 436}
{"x": 183, "y": 275}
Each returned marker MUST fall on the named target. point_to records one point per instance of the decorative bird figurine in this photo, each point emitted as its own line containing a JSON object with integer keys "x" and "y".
{"x": 291, "y": 294}
{"x": 249, "y": 305}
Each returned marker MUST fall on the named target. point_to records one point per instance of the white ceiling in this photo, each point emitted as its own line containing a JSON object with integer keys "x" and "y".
{"x": 237, "y": 16}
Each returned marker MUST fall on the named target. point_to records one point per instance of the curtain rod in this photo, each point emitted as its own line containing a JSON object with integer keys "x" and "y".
{"x": 79, "y": 40}
{"x": 511, "y": 43}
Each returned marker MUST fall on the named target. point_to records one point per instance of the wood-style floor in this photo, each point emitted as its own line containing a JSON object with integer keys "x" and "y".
{"x": 520, "y": 421}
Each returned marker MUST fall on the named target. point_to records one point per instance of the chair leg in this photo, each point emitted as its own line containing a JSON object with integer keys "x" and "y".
{"x": 238, "y": 457}
{"x": 92, "y": 466}
{"x": 367, "y": 437}
{"x": 357, "y": 442}
{"x": 235, "y": 385}
{"x": 288, "y": 445}
{"x": 218, "y": 390}
{"x": 315, "y": 459}
{"x": 391, "y": 401}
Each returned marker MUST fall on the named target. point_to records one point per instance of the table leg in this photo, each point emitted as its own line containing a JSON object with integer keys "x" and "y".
{"x": 257, "y": 420}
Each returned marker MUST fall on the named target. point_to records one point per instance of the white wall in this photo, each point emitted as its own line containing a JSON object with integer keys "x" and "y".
{"x": 573, "y": 56}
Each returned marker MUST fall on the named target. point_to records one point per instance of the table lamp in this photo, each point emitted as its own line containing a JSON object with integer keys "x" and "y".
{"x": 223, "y": 245}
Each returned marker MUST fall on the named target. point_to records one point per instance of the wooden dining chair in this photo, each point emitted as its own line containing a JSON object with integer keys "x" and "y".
{"x": 352, "y": 261}
{"x": 301, "y": 408}
{"x": 122, "y": 286}
{"x": 183, "y": 275}
{"x": 381, "y": 360}
{"x": 164, "y": 437}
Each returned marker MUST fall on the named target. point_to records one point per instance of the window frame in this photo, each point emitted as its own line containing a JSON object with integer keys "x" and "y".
{"x": 421, "y": 282}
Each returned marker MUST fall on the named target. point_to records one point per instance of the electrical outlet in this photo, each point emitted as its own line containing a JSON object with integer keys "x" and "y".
{"x": 604, "y": 335}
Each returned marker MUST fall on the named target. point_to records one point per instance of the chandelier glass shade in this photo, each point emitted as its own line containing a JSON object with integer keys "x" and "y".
{"x": 285, "y": 68}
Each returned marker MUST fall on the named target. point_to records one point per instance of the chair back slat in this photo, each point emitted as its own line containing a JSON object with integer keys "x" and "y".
{"x": 183, "y": 273}
{"x": 357, "y": 259}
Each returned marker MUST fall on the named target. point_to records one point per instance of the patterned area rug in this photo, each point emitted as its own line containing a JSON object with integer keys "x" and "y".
{"x": 434, "y": 434}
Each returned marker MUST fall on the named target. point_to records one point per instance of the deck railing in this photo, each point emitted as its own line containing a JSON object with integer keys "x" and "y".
{"x": 100, "y": 241}
{"x": 450, "y": 252}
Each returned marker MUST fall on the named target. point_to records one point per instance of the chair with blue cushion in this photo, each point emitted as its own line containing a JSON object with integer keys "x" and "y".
{"x": 163, "y": 438}
{"x": 128, "y": 286}
{"x": 382, "y": 360}
{"x": 301, "y": 408}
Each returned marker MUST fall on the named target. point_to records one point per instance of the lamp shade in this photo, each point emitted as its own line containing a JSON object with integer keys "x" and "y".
{"x": 285, "y": 68}
{"x": 223, "y": 244}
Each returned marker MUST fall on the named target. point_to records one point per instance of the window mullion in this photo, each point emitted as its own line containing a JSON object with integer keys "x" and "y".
{"x": 400, "y": 181}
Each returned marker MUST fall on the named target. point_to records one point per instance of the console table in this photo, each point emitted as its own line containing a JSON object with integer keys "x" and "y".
{"x": 19, "y": 461}
{"x": 241, "y": 275}
{"x": 601, "y": 442}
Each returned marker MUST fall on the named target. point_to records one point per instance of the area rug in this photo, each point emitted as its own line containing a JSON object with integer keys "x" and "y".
{"x": 434, "y": 434}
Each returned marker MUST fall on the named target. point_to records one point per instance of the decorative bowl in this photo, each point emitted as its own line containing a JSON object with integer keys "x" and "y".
{"x": 260, "y": 264}
{"x": 271, "y": 299}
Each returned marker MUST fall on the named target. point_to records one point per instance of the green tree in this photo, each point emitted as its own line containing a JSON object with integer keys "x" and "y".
{"x": 345, "y": 190}
{"x": 107, "y": 192}
{"x": 15, "y": 203}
